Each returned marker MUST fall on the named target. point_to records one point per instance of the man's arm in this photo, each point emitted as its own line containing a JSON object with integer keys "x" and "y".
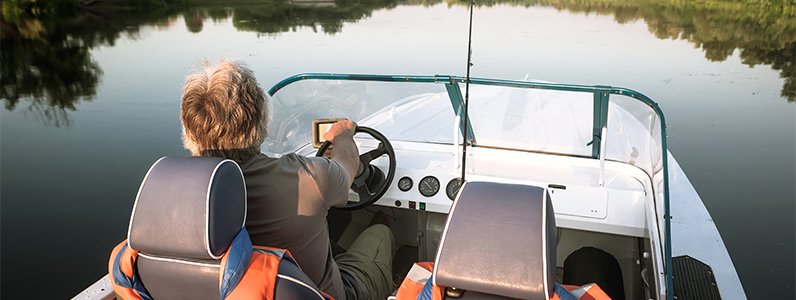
{"x": 345, "y": 151}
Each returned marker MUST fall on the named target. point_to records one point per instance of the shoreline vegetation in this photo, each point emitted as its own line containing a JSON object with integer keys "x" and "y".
{"x": 46, "y": 60}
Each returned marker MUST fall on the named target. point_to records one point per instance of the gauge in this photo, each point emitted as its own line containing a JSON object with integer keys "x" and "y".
{"x": 453, "y": 188}
{"x": 405, "y": 184}
{"x": 429, "y": 186}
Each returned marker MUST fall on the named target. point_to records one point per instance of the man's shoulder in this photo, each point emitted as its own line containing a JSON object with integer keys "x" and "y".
{"x": 295, "y": 161}
{"x": 257, "y": 161}
{"x": 316, "y": 166}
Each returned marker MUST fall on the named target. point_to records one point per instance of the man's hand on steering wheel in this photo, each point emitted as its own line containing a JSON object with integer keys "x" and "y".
{"x": 369, "y": 182}
{"x": 342, "y": 129}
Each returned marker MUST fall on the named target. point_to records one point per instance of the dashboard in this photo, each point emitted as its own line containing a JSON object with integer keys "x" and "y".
{"x": 428, "y": 178}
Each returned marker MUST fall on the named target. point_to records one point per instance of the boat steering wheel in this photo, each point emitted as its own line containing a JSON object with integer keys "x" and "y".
{"x": 370, "y": 183}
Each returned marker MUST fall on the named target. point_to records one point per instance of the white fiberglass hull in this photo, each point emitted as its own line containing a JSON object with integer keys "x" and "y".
{"x": 695, "y": 234}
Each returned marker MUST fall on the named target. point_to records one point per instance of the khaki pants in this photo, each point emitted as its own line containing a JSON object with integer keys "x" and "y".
{"x": 369, "y": 259}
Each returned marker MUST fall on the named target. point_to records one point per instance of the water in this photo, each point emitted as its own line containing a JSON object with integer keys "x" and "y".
{"x": 92, "y": 99}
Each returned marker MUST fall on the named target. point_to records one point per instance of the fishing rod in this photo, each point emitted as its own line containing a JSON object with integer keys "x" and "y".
{"x": 467, "y": 92}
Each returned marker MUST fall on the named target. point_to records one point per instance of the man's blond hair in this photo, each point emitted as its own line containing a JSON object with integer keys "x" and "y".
{"x": 224, "y": 112}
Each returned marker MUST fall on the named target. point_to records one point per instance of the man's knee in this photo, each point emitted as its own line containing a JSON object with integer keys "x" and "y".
{"x": 381, "y": 230}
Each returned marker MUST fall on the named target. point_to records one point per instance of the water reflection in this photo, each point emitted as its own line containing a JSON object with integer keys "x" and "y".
{"x": 46, "y": 61}
{"x": 291, "y": 15}
{"x": 42, "y": 64}
{"x": 763, "y": 33}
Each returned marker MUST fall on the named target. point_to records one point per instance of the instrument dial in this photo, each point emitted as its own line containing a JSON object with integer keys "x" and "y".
{"x": 453, "y": 188}
{"x": 429, "y": 186}
{"x": 405, "y": 184}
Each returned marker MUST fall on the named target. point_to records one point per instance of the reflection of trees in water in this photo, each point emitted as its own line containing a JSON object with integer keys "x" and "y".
{"x": 764, "y": 34}
{"x": 276, "y": 16}
{"x": 53, "y": 77}
{"x": 763, "y": 31}
{"x": 43, "y": 65}
{"x": 46, "y": 62}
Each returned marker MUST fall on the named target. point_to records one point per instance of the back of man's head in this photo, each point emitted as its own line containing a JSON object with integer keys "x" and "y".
{"x": 224, "y": 112}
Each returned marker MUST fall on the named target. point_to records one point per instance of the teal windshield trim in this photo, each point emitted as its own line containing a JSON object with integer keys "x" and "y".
{"x": 457, "y": 101}
{"x": 600, "y": 120}
{"x": 354, "y": 77}
{"x": 606, "y": 90}
{"x": 443, "y": 79}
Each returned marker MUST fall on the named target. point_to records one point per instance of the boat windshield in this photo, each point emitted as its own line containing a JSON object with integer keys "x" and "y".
{"x": 515, "y": 115}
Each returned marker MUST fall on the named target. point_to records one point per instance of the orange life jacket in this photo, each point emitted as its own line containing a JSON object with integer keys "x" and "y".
{"x": 257, "y": 282}
{"x": 418, "y": 285}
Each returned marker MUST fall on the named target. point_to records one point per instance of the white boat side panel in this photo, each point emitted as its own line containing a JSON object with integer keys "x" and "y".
{"x": 694, "y": 233}
{"x": 625, "y": 215}
{"x": 100, "y": 290}
{"x": 579, "y": 201}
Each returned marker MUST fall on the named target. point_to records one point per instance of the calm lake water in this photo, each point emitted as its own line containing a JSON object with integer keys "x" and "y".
{"x": 92, "y": 100}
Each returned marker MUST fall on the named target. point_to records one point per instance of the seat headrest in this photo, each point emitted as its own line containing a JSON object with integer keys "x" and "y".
{"x": 500, "y": 239}
{"x": 188, "y": 207}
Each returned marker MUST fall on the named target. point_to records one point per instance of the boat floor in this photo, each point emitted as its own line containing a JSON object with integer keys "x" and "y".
{"x": 405, "y": 257}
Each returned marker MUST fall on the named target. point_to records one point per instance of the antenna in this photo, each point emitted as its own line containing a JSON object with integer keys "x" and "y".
{"x": 467, "y": 91}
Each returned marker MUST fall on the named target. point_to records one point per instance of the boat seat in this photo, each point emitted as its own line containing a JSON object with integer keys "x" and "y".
{"x": 499, "y": 242}
{"x": 185, "y": 217}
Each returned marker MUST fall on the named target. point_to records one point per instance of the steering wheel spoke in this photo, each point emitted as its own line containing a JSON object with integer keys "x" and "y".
{"x": 362, "y": 189}
{"x": 371, "y": 155}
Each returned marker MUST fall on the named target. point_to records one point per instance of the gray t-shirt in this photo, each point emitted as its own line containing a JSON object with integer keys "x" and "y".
{"x": 288, "y": 199}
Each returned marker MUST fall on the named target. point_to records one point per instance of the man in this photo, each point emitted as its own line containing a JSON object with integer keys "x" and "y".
{"x": 225, "y": 113}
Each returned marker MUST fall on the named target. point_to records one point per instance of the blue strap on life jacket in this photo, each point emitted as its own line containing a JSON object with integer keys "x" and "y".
{"x": 133, "y": 282}
{"x": 275, "y": 252}
{"x": 425, "y": 293}
{"x": 563, "y": 293}
{"x": 238, "y": 256}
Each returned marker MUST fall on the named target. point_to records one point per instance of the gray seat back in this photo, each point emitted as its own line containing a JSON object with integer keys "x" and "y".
{"x": 499, "y": 241}
{"x": 187, "y": 212}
